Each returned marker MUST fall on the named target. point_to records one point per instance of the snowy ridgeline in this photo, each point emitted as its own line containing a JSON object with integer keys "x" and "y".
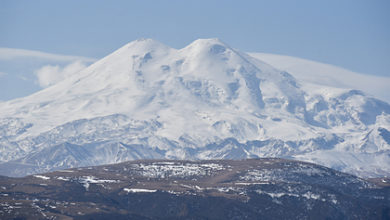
{"x": 105, "y": 141}
{"x": 205, "y": 101}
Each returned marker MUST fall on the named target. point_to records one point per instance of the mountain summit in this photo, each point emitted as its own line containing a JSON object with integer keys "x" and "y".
{"x": 204, "y": 101}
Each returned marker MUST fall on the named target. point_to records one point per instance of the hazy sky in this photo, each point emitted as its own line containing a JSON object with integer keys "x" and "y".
{"x": 353, "y": 34}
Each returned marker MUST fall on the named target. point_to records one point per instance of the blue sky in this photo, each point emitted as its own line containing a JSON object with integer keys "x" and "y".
{"x": 353, "y": 34}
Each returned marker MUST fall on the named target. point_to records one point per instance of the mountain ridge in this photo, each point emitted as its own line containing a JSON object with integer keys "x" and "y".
{"x": 203, "y": 189}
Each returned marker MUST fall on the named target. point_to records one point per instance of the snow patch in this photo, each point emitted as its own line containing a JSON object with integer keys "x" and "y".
{"x": 42, "y": 177}
{"x": 87, "y": 180}
{"x": 135, "y": 190}
{"x": 176, "y": 169}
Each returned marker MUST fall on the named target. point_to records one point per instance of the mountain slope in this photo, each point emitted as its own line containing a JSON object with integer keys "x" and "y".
{"x": 218, "y": 189}
{"x": 204, "y": 101}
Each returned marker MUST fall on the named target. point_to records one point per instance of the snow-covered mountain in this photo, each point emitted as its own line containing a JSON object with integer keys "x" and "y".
{"x": 204, "y": 101}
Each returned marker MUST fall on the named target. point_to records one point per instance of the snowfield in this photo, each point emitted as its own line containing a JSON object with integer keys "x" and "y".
{"x": 205, "y": 101}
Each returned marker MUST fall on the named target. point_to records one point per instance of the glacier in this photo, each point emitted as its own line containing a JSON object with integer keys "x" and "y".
{"x": 205, "y": 101}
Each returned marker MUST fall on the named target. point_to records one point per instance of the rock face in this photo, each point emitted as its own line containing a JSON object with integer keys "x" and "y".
{"x": 204, "y": 101}
{"x": 217, "y": 189}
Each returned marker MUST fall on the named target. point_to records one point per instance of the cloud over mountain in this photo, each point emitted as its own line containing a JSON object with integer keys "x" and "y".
{"x": 328, "y": 75}
{"x": 51, "y": 74}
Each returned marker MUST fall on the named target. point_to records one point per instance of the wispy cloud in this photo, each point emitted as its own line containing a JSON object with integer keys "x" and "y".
{"x": 51, "y": 74}
{"x": 12, "y": 53}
